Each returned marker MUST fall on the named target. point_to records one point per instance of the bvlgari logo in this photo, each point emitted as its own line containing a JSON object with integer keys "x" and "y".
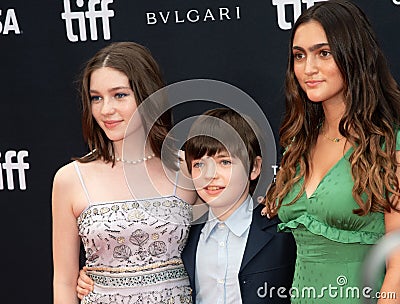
{"x": 193, "y": 15}
{"x": 295, "y": 5}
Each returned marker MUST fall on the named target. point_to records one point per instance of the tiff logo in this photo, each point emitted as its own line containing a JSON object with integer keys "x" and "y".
{"x": 9, "y": 165}
{"x": 103, "y": 12}
{"x": 281, "y": 10}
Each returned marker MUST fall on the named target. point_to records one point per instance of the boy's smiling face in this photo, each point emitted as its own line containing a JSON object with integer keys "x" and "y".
{"x": 221, "y": 181}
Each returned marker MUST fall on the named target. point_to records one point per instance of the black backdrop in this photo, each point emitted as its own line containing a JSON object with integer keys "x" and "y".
{"x": 243, "y": 43}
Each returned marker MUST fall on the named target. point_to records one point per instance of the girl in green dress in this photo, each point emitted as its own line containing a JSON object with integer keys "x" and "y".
{"x": 338, "y": 187}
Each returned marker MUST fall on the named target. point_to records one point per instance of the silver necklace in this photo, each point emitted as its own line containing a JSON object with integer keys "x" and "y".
{"x": 134, "y": 162}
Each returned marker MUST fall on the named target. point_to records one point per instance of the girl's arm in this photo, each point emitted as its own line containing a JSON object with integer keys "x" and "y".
{"x": 391, "y": 283}
{"x": 66, "y": 240}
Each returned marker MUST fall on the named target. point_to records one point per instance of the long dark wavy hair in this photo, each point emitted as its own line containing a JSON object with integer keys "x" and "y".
{"x": 145, "y": 78}
{"x": 372, "y": 112}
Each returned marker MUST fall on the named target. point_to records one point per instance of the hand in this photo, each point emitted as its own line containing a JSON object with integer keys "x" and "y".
{"x": 85, "y": 284}
{"x": 264, "y": 212}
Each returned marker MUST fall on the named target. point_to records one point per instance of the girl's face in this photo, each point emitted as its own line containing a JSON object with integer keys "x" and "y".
{"x": 314, "y": 66}
{"x": 113, "y": 101}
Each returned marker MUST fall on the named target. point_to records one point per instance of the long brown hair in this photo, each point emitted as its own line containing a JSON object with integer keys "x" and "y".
{"x": 372, "y": 101}
{"x": 143, "y": 72}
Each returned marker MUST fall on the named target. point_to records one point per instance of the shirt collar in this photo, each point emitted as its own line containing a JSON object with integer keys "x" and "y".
{"x": 238, "y": 222}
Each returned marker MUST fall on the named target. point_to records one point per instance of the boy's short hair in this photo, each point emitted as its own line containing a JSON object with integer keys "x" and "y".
{"x": 224, "y": 129}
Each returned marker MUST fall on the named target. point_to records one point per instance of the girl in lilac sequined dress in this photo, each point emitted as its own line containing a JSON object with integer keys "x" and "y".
{"x": 122, "y": 204}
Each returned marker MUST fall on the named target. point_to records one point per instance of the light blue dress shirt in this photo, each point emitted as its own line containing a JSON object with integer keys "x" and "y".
{"x": 219, "y": 256}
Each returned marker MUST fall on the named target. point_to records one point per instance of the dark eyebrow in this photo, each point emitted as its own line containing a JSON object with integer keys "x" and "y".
{"x": 112, "y": 89}
{"x": 312, "y": 48}
{"x": 223, "y": 154}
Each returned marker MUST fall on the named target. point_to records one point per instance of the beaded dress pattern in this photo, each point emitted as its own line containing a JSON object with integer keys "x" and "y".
{"x": 133, "y": 250}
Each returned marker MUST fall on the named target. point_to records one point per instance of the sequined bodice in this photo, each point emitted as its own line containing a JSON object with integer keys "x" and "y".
{"x": 133, "y": 249}
{"x": 134, "y": 233}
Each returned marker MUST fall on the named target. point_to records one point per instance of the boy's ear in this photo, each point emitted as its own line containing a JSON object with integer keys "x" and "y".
{"x": 255, "y": 172}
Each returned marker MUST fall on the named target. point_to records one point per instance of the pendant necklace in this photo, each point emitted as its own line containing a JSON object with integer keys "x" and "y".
{"x": 334, "y": 139}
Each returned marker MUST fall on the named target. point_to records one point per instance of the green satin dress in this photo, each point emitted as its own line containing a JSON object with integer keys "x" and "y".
{"x": 332, "y": 242}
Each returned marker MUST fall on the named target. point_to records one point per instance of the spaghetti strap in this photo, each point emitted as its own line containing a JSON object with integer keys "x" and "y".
{"x": 78, "y": 171}
{"x": 177, "y": 177}
{"x": 176, "y": 182}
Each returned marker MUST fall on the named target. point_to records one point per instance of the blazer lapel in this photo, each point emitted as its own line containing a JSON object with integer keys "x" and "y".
{"x": 258, "y": 236}
{"x": 189, "y": 253}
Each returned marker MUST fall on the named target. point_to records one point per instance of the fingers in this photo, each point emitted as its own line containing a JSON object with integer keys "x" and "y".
{"x": 81, "y": 292}
{"x": 84, "y": 277}
{"x": 264, "y": 212}
{"x": 83, "y": 288}
{"x": 85, "y": 284}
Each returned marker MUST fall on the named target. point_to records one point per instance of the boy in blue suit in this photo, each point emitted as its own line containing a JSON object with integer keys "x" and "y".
{"x": 234, "y": 255}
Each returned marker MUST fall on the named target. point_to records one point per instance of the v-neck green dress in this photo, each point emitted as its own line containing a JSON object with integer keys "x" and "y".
{"x": 331, "y": 241}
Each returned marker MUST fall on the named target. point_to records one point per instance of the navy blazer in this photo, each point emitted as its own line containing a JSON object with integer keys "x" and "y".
{"x": 268, "y": 261}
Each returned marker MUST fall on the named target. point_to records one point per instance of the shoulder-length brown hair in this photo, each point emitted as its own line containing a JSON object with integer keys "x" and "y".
{"x": 143, "y": 72}
{"x": 371, "y": 118}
